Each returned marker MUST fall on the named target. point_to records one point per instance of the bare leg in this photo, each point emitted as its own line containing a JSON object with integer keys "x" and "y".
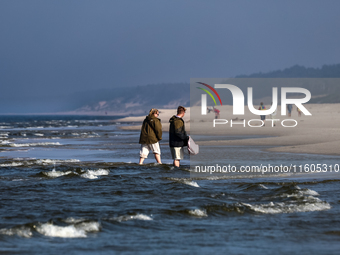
{"x": 158, "y": 158}
{"x": 176, "y": 163}
{"x": 141, "y": 160}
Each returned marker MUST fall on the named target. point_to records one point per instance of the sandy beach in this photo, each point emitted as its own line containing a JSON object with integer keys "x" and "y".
{"x": 316, "y": 134}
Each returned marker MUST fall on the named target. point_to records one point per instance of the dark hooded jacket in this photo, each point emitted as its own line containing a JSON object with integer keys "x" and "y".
{"x": 177, "y": 135}
{"x": 151, "y": 130}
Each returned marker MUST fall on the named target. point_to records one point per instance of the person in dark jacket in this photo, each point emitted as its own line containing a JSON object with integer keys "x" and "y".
{"x": 150, "y": 135}
{"x": 178, "y": 137}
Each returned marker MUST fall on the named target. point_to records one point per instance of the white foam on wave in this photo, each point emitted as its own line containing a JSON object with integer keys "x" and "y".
{"x": 54, "y": 161}
{"x": 4, "y": 134}
{"x": 93, "y": 174}
{"x": 72, "y": 231}
{"x": 310, "y": 192}
{"x": 31, "y": 161}
{"x": 73, "y": 220}
{"x": 191, "y": 183}
{"x": 89, "y": 226}
{"x": 198, "y": 213}
{"x": 11, "y": 164}
{"x": 32, "y": 144}
{"x": 20, "y": 231}
{"x": 132, "y": 217}
{"x": 262, "y": 186}
{"x": 55, "y": 174}
{"x": 273, "y": 208}
{"x": 35, "y": 127}
{"x": 89, "y": 176}
{"x": 38, "y": 134}
{"x": 99, "y": 171}
{"x": 185, "y": 181}
{"x": 306, "y": 194}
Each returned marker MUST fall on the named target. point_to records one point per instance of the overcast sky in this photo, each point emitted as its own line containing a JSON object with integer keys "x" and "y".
{"x": 59, "y": 47}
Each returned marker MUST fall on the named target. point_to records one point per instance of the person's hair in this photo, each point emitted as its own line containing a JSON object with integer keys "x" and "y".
{"x": 181, "y": 109}
{"x": 153, "y": 111}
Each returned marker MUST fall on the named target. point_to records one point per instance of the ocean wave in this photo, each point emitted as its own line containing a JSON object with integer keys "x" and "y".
{"x": 72, "y": 231}
{"x": 191, "y": 183}
{"x": 32, "y": 144}
{"x": 294, "y": 192}
{"x": 34, "y": 127}
{"x": 55, "y": 161}
{"x": 294, "y": 199}
{"x": 11, "y": 164}
{"x": 274, "y": 208}
{"x": 185, "y": 181}
{"x": 88, "y": 174}
{"x": 21, "y": 231}
{"x": 85, "y": 134}
{"x": 302, "y": 194}
{"x": 309, "y": 192}
{"x": 131, "y": 217}
{"x": 198, "y": 213}
{"x": 4, "y": 134}
{"x": 18, "y": 180}
{"x": 77, "y": 229}
{"x": 262, "y": 186}
{"x": 93, "y": 174}
{"x": 74, "y": 220}
{"x": 55, "y": 174}
{"x": 30, "y": 161}
{"x": 252, "y": 186}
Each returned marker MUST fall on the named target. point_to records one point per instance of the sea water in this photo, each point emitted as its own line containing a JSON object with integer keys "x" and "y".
{"x": 71, "y": 184}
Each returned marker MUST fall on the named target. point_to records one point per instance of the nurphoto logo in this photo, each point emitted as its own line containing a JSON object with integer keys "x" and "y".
{"x": 238, "y": 104}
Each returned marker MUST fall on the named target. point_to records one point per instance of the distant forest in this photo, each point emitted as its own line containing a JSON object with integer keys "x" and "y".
{"x": 139, "y": 99}
{"x": 136, "y": 100}
{"x": 326, "y": 71}
{"x": 330, "y": 94}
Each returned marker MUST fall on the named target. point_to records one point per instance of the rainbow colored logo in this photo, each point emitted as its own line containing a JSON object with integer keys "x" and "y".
{"x": 209, "y": 93}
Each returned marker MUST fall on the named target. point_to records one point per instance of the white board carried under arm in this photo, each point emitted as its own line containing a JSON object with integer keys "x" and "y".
{"x": 193, "y": 148}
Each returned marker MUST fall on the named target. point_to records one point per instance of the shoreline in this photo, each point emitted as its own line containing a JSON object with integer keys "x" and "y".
{"x": 316, "y": 134}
